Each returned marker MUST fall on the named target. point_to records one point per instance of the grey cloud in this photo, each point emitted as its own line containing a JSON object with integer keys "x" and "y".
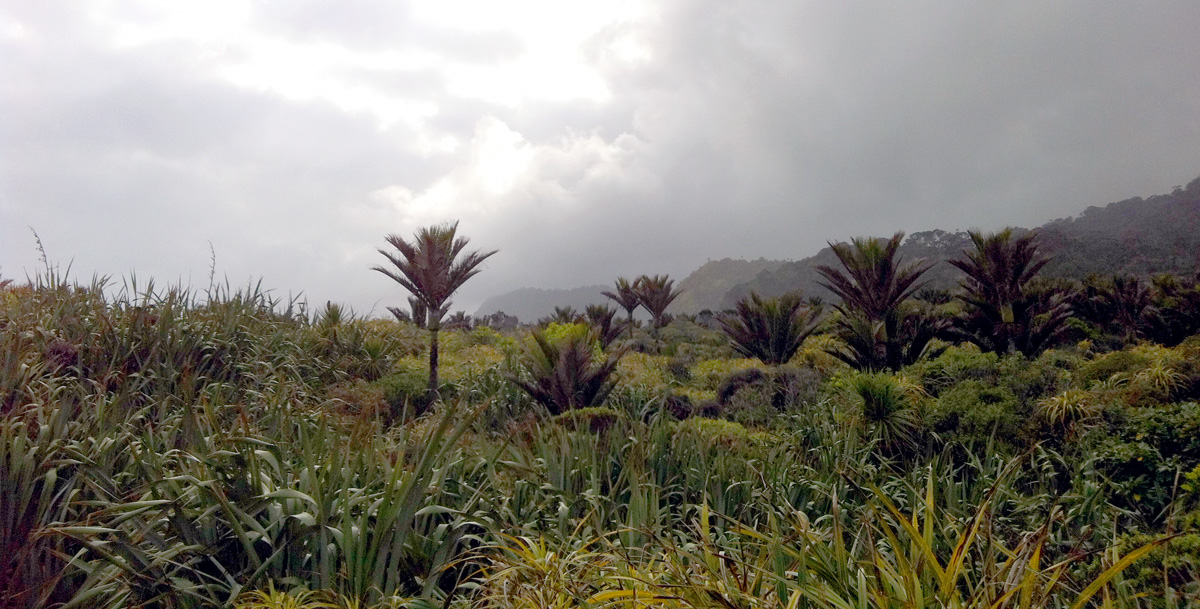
{"x": 375, "y": 25}
{"x": 753, "y": 129}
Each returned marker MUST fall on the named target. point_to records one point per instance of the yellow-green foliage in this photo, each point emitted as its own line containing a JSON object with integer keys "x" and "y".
{"x": 411, "y": 365}
{"x": 709, "y": 374}
{"x": 814, "y": 353}
{"x": 471, "y": 363}
{"x": 453, "y": 341}
{"x": 280, "y": 599}
{"x": 1070, "y": 407}
{"x": 697, "y": 395}
{"x": 712, "y": 433}
{"x": 1143, "y": 375}
{"x": 401, "y": 338}
{"x": 643, "y": 371}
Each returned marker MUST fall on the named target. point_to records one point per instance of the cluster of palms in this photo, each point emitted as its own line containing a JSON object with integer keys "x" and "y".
{"x": 1166, "y": 311}
{"x": 882, "y": 326}
{"x": 1003, "y": 306}
{"x": 560, "y": 375}
{"x": 567, "y": 374}
{"x": 654, "y": 294}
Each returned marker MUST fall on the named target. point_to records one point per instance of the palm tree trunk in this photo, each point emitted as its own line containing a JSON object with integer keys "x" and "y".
{"x": 433, "y": 360}
{"x": 630, "y": 323}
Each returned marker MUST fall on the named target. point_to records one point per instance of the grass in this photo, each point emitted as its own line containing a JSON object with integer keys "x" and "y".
{"x": 171, "y": 449}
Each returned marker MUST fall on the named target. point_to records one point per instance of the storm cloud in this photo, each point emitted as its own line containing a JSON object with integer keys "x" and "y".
{"x": 583, "y": 142}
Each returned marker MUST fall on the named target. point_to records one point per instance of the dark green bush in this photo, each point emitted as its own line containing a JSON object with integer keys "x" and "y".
{"x": 974, "y": 413}
{"x": 1145, "y": 451}
{"x": 756, "y": 397}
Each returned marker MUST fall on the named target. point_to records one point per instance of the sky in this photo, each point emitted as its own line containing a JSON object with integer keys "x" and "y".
{"x": 280, "y": 142}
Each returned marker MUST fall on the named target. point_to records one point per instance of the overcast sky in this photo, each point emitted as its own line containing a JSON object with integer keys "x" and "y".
{"x": 584, "y": 140}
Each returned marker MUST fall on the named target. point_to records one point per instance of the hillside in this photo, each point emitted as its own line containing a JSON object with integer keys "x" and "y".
{"x": 706, "y": 287}
{"x": 1136, "y": 236}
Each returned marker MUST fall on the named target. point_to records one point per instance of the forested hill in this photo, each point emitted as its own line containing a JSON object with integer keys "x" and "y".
{"x": 707, "y": 286}
{"x": 1136, "y": 236}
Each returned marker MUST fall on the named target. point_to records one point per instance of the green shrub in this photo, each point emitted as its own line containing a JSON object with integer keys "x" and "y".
{"x": 405, "y": 389}
{"x": 1146, "y": 451}
{"x": 955, "y": 365}
{"x": 886, "y": 409}
{"x": 972, "y": 413}
{"x": 1104, "y": 367}
{"x": 711, "y": 434}
{"x": 709, "y": 374}
{"x": 1175, "y": 565}
{"x": 756, "y": 397}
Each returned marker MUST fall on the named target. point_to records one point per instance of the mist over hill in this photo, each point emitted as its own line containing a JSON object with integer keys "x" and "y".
{"x": 707, "y": 286}
{"x": 529, "y": 304}
{"x": 1136, "y": 236}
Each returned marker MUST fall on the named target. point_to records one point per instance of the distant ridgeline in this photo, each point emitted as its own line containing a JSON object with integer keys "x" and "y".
{"x": 1136, "y": 236}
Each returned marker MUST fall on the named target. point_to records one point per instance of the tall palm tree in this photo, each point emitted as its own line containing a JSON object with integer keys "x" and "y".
{"x": 874, "y": 282}
{"x": 656, "y": 294}
{"x": 626, "y": 296}
{"x": 1006, "y": 310}
{"x": 879, "y": 326}
{"x": 432, "y": 267}
{"x": 771, "y": 330}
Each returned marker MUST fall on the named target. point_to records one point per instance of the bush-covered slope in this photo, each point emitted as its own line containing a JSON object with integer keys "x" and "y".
{"x": 1136, "y": 236}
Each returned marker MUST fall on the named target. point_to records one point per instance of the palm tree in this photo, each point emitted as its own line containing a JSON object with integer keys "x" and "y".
{"x": 771, "y": 330}
{"x": 415, "y": 315}
{"x": 881, "y": 329}
{"x": 1006, "y": 311}
{"x": 565, "y": 374}
{"x": 1174, "y": 314}
{"x": 432, "y": 267}
{"x": 561, "y": 315}
{"x": 420, "y": 313}
{"x": 626, "y": 296}
{"x": 656, "y": 294}
{"x": 601, "y": 318}
{"x": 458, "y": 321}
{"x": 1128, "y": 300}
{"x": 874, "y": 283}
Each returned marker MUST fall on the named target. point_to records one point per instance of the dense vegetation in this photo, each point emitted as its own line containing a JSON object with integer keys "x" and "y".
{"x": 170, "y": 449}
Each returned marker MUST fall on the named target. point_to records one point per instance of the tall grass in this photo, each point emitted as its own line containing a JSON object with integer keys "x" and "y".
{"x": 167, "y": 448}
